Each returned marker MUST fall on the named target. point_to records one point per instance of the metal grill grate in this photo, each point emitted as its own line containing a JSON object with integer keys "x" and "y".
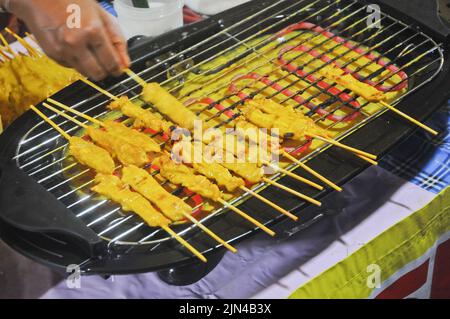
{"x": 293, "y": 57}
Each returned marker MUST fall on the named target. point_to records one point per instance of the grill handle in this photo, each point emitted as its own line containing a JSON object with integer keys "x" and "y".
{"x": 26, "y": 205}
{"x": 431, "y": 14}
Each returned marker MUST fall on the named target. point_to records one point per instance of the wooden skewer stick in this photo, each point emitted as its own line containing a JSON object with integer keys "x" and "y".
{"x": 8, "y": 47}
{"x": 246, "y": 216}
{"x": 184, "y": 243}
{"x": 311, "y": 171}
{"x": 409, "y": 118}
{"x": 3, "y": 54}
{"x": 293, "y": 192}
{"x": 343, "y": 146}
{"x": 95, "y": 86}
{"x": 49, "y": 121}
{"x": 24, "y": 43}
{"x": 80, "y": 114}
{"x": 135, "y": 77}
{"x": 370, "y": 161}
{"x": 295, "y": 176}
{"x": 268, "y": 202}
{"x": 210, "y": 233}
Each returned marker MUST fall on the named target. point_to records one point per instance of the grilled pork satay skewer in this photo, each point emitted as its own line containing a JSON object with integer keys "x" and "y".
{"x": 113, "y": 188}
{"x": 290, "y": 123}
{"x": 84, "y": 152}
{"x": 32, "y": 51}
{"x": 366, "y": 91}
{"x": 133, "y": 137}
{"x": 197, "y": 184}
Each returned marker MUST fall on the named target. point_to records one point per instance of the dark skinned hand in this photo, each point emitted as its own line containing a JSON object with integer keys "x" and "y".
{"x": 95, "y": 47}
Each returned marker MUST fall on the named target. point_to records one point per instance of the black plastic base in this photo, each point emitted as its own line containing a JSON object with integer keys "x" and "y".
{"x": 191, "y": 273}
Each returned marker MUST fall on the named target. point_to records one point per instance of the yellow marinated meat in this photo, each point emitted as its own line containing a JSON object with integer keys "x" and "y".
{"x": 169, "y": 105}
{"x": 272, "y": 115}
{"x": 220, "y": 175}
{"x": 180, "y": 174}
{"x": 142, "y": 182}
{"x": 113, "y": 188}
{"x": 132, "y": 136}
{"x": 91, "y": 155}
{"x": 362, "y": 89}
{"x": 125, "y": 152}
{"x": 210, "y": 169}
{"x": 143, "y": 117}
{"x": 27, "y": 80}
{"x": 249, "y": 171}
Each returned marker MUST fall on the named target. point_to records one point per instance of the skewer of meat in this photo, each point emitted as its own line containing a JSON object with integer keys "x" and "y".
{"x": 366, "y": 91}
{"x": 242, "y": 124}
{"x": 171, "y": 206}
{"x": 113, "y": 188}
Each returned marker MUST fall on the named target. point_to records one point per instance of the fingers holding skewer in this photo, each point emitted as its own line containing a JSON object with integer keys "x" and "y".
{"x": 293, "y": 192}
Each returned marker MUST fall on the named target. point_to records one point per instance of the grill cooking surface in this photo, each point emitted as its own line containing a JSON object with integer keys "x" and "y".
{"x": 276, "y": 53}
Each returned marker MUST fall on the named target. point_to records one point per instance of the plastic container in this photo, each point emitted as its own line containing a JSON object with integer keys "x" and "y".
{"x": 211, "y": 7}
{"x": 160, "y": 17}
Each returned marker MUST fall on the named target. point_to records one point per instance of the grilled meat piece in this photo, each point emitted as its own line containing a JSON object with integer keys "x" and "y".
{"x": 182, "y": 175}
{"x": 142, "y": 182}
{"x": 362, "y": 89}
{"x": 91, "y": 155}
{"x": 113, "y": 188}
{"x": 125, "y": 152}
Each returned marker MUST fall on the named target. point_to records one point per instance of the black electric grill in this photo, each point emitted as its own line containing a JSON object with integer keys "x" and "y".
{"x": 49, "y": 214}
